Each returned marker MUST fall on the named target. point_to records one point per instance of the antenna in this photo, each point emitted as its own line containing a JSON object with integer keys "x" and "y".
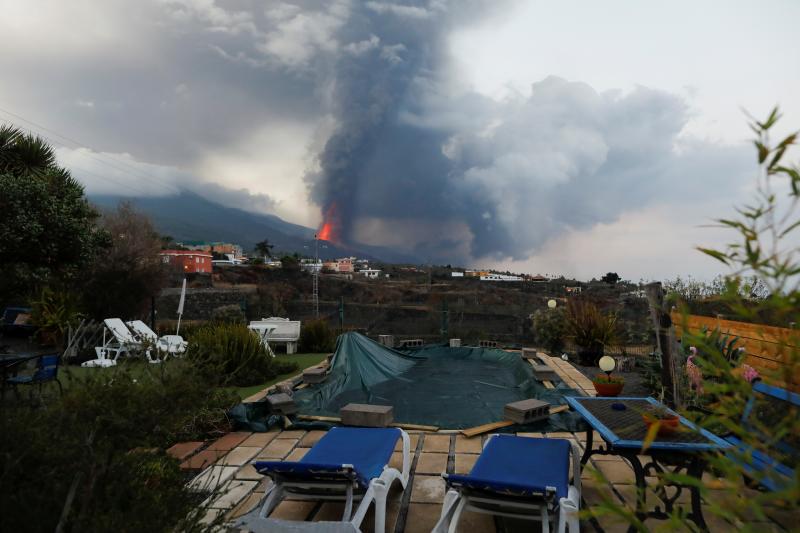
{"x": 315, "y": 277}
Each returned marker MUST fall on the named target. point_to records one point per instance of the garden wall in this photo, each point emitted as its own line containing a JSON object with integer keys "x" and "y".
{"x": 771, "y": 350}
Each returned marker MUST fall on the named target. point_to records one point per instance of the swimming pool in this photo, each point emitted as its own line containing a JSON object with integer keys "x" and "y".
{"x": 452, "y": 388}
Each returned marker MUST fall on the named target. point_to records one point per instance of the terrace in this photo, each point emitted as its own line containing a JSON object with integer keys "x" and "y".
{"x": 225, "y": 467}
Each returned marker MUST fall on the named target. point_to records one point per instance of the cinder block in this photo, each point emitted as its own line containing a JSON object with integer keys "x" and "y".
{"x": 545, "y": 373}
{"x": 411, "y": 343}
{"x": 455, "y": 343}
{"x": 526, "y": 411}
{"x": 360, "y": 414}
{"x": 281, "y": 404}
{"x": 487, "y": 344}
{"x": 314, "y": 375}
{"x": 529, "y": 353}
{"x": 386, "y": 340}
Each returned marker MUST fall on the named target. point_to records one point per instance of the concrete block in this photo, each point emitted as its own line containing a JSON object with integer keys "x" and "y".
{"x": 386, "y": 340}
{"x": 545, "y": 373}
{"x": 314, "y": 375}
{"x": 529, "y": 353}
{"x": 526, "y": 411}
{"x": 455, "y": 343}
{"x": 411, "y": 343}
{"x": 360, "y": 414}
{"x": 281, "y": 404}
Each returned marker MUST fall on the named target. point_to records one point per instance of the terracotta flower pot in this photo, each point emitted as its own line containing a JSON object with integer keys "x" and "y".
{"x": 608, "y": 389}
{"x": 668, "y": 425}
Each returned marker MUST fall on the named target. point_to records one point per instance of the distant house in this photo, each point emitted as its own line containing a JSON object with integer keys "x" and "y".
{"x": 538, "y": 278}
{"x": 500, "y": 277}
{"x": 573, "y": 290}
{"x": 371, "y": 273}
{"x": 456, "y": 274}
{"x": 345, "y": 264}
{"x": 310, "y": 265}
{"x": 222, "y": 248}
{"x": 189, "y": 261}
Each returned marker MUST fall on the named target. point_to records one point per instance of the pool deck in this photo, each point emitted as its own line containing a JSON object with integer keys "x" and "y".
{"x": 224, "y": 466}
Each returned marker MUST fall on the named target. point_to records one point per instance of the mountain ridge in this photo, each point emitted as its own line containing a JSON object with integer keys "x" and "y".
{"x": 188, "y": 216}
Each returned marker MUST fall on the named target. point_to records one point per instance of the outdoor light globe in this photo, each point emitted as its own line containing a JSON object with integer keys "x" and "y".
{"x": 607, "y": 363}
{"x": 551, "y": 304}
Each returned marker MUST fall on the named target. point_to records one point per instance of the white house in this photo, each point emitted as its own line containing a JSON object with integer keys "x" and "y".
{"x": 370, "y": 273}
{"x": 500, "y": 277}
{"x": 456, "y": 274}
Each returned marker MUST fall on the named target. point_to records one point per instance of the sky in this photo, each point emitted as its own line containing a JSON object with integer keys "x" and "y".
{"x": 572, "y": 137}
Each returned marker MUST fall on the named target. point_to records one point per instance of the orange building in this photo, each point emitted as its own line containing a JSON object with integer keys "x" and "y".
{"x": 189, "y": 261}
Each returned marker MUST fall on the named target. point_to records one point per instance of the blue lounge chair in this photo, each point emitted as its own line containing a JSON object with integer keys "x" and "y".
{"x": 518, "y": 477}
{"x": 766, "y": 402}
{"x": 346, "y": 464}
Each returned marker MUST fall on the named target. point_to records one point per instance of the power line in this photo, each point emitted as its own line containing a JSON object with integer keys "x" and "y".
{"x": 105, "y": 178}
{"x": 139, "y": 173}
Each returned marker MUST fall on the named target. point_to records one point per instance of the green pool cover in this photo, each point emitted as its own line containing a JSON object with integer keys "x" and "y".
{"x": 436, "y": 385}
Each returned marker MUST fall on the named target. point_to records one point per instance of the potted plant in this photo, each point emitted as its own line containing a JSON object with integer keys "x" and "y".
{"x": 668, "y": 422}
{"x": 607, "y": 385}
{"x": 590, "y": 329}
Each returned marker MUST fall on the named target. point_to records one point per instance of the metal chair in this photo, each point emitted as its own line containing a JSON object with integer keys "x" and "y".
{"x": 46, "y": 370}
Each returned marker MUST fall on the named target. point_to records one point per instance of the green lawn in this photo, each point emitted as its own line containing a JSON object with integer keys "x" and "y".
{"x": 303, "y": 360}
{"x": 138, "y": 368}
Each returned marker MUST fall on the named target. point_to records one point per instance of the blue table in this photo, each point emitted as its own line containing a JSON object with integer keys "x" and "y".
{"x": 623, "y": 433}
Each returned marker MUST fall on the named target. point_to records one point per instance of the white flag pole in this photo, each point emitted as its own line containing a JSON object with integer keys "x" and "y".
{"x": 180, "y": 306}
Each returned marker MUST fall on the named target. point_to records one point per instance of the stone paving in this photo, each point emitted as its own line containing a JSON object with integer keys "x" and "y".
{"x": 225, "y": 467}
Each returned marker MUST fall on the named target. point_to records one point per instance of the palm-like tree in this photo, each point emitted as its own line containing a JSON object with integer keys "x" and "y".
{"x": 265, "y": 248}
{"x": 24, "y": 154}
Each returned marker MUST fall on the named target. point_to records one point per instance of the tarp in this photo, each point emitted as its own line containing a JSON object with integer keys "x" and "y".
{"x": 435, "y": 385}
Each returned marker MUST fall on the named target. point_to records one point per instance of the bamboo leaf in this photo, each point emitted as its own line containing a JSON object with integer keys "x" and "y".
{"x": 790, "y": 228}
{"x": 771, "y": 120}
{"x": 650, "y": 437}
{"x": 719, "y": 256}
{"x": 777, "y": 157}
{"x": 763, "y": 151}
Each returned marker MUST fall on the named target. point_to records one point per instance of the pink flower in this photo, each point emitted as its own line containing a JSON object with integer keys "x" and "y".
{"x": 749, "y": 373}
{"x": 694, "y": 373}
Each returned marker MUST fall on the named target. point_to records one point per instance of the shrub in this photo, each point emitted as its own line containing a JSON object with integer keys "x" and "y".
{"x": 228, "y": 314}
{"x": 550, "y": 328}
{"x": 231, "y": 354}
{"x": 53, "y": 312}
{"x": 591, "y": 330}
{"x": 99, "y": 451}
{"x": 316, "y": 336}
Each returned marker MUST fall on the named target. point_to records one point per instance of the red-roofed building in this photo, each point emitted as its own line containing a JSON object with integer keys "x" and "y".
{"x": 189, "y": 261}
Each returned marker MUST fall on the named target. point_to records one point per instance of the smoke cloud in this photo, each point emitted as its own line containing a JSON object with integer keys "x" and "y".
{"x": 448, "y": 174}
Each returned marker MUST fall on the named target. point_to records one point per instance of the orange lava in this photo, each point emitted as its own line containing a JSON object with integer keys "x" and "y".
{"x": 325, "y": 232}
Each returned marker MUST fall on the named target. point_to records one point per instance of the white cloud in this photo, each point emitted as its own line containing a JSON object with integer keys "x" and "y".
{"x": 400, "y": 10}
{"x": 299, "y": 36}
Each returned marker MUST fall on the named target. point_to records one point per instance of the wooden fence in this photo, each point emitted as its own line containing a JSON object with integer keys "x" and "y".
{"x": 773, "y": 351}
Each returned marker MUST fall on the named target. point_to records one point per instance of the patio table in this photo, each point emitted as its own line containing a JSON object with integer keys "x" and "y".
{"x": 624, "y": 431}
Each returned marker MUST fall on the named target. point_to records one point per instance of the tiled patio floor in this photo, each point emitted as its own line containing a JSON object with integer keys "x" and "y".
{"x": 416, "y": 509}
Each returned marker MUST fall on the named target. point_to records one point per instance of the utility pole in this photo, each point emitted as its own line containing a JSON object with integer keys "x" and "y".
{"x": 315, "y": 277}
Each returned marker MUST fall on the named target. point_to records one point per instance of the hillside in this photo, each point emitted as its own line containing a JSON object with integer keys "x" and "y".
{"x": 188, "y": 216}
